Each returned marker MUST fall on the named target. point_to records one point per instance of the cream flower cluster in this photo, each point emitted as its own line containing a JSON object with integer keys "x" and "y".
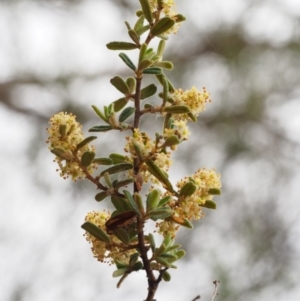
{"x": 187, "y": 207}
{"x": 105, "y": 252}
{"x": 193, "y": 99}
{"x": 65, "y": 134}
{"x": 204, "y": 179}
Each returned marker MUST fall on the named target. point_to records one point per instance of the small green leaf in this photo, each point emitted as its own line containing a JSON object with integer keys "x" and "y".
{"x": 100, "y": 196}
{"x": 188, "y": 189}
{"x": 165, "y": 90}
{"x": 143, "y": 29}
{"x": 209, "y": 204}
{"x": 148, "y": 106}
{"x": 180, "y": 254}
{"x": 100, "y": 128}
{"x": 120, "y": 84}
{"x": 161, "y": 48}
{"x": 152, "y": 242}
{"x": 117, "y": 158}
{"x": 193, "y": 118}
{"x": 121, "y": 46}
{"x": 61, "y": 153}
{"x": 133, "y": 258}
{"x": 62, "y": 130}
{"x": 85, "y": 141}
{"x": 147, "y": 10}
{"x": 126, "y": 182}
{"x": 162, "y": 26}
{"x": 117, "y": 168}
{"x": 139, "y": 202}
{"x": 120, "y": 204}
{"x": 132, "y": 202}
{"x": 126, "y": 113}
{"x": 159, "y": 174}
{"x": 160, "y": 213}
{"x": 164, "y": 64}
{"x": 127, "y": 61}
{"x": 107, "y": 179}
{"x": 134, "y": 36}
{"x": 122, "y": 235}
{"x": 119, "y": 272}
{"x": 131, "y": 83}
{"x": 120, "y": 103}
{"x": 148, "y": 91}
{"x": 177, "y": 109}
{"x": 214, "y": 191}
{"x": 143, "y": 51}
{"x": 168, "y": 256}
{"x": 164, "y": 201}
{"x": 166, "y": 276}
{"x": 99, "y": 113}
{"x": 103, "y": 161}
{"x": 170, "y": 141}
{"x": 139, "y": 23}
{"x": 165, "y": 263}
{"x": 96, "y": 232}
{"x": 137, "y": 266}
{"x": 87, "y": 158}
{"x": 160, "y": 79}
{"x": 144, "y": 64}
{"x": 179, "y": 18}
{"x": 153, "y": 70}
{"x": 138, "y": 151}
{"x": 152, "y": 199}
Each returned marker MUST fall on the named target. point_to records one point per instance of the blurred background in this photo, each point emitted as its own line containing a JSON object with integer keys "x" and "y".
{"x": 247, "y": 54}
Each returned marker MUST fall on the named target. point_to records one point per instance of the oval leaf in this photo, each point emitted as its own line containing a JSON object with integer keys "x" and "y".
{"x": 126, "y": 113}
{"x": 162, "y": 26}
{"x": 96, "y": 232}
{"x": 121, "y": 46}
{"x": 148, "y": 91}
{"x": 120, "y": 84}
{"x": 87, "y": 158}
{"x": 100, "y": 196}
{"x": 100, "y": 128}
{"x": 117, "y": 168}
{"x": 153, "y": 70}
{"x": 127, "y": 61}
{"x": 209, "y": 204}
{"x": 160, "y": 213}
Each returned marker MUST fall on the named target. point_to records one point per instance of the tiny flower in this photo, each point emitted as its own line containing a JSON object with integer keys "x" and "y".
{"x": 167, "y": 227}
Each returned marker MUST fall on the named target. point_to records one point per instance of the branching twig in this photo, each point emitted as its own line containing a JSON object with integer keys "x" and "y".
{"x": 215, "y": 293}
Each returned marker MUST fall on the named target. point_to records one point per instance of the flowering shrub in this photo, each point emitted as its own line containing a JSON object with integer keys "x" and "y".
{"x": 119, "y": 237}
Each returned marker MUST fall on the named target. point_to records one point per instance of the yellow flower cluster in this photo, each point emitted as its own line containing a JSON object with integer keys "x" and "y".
{"x": 205, "y": 180}
{"x": 193, "y": 99}
{"x": 65, "y": 134}
{"x": 187, "y": 207}
{"x": 105, "y": 252}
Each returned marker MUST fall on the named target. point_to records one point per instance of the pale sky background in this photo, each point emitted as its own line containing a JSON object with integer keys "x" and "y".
{"x": 43, "y": 255}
